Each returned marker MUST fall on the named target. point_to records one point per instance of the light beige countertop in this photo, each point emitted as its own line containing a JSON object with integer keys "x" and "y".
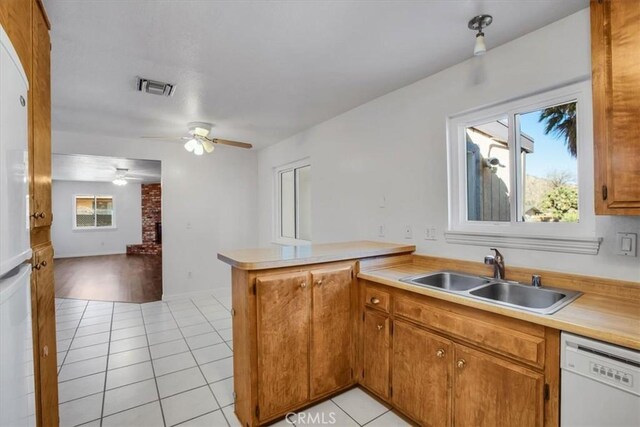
{"x": 288, "y": 256}
{"x": 608, "y": 318}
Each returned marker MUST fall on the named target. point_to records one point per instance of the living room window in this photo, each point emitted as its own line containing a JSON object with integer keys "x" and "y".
{"x": 92, "y": 212}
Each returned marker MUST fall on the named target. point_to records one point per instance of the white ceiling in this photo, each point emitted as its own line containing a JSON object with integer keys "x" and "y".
{"x": 259, "y": 70}
{"x": 76, "y": 167}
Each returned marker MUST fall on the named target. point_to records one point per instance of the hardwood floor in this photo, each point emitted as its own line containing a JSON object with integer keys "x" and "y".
{"x": 123, "y": 278}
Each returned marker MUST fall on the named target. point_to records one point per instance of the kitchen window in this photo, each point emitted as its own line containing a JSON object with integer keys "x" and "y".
{"x": 293, "y": 203}
{"x": 521, "y": 173}
{"x": 93, "y": 212}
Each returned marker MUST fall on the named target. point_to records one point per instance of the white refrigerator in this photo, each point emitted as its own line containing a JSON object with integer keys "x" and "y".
{"x": 17, "y": 402}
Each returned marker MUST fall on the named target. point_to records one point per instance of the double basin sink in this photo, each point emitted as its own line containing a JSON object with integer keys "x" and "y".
{"x": 500, "y": 292}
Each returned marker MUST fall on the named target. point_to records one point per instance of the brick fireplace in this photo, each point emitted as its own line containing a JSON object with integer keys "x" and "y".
{"x": 151, "y": 222}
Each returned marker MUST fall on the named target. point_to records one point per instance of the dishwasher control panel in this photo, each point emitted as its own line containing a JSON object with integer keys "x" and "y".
{"x": 611, "y": 373}
{"x": 615, "y": 366}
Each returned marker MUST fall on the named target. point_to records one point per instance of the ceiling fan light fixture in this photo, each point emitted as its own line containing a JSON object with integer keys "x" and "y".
{"x": 199, "y": 150}
{"x": 207, "y": 145}
{"x": 120, "y": 181}
{"x": 190, "y": 145}
{"x": 478, "y": 23}
{"x": 200, "y": 128}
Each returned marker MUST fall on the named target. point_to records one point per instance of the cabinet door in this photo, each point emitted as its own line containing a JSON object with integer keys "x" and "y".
{"x": 332, "y": 330}
{"x": 44, "y": 317}
{"x": 489, "y": 391}
{"x": 615, "y": 43}
{"x": 421, "y": 374}
{"x": 375, "y": 358}
{"x": 283, "y": 308}
{"x": 41, "y": 116}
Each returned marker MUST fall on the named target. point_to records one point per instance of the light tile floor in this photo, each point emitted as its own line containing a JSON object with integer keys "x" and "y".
{"x": 166, "y": 364}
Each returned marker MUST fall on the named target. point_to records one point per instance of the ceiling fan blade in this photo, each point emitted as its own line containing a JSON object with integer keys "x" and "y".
{"x": 207, "y": 145}
{"x": 232, "y": 143}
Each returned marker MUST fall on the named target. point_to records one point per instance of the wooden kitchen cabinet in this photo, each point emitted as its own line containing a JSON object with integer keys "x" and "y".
{"x": 44, "y": 332}
{"x": 332, "y": 346}
{"x": 490, "y": 391}
{"x": 615, "y": 43}
{"x": 421, "y": 374}
{"x": 294, "y": 329}
{"x": 40, "y": 140}
{"x": 283, "y": 308}
{"x": 376, "y": 337}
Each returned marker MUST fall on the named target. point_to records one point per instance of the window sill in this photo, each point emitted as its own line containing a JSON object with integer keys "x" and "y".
{"x": 95, "y": 228}
{"x": 572, "y": 245}
{"x": 291, "y": 242}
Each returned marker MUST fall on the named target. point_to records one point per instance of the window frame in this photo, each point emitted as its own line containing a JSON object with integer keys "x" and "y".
{"x": 277, "y": 237}
{"x": 74, "y": 223}
{"x": 524, "y": 233}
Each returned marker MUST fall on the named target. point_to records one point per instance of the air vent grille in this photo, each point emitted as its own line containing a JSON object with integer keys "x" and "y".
{"x": 155, "y": 87}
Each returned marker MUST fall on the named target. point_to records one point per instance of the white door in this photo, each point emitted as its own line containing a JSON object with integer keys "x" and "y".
{"x": 17, "y": 401}
{"x": 14, "y": 164}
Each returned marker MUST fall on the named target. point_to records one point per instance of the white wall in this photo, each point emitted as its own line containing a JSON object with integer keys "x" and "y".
{"x": 208, "y": 204}
{"x": 395, "y": 146}
{"x": 128, "y": 219}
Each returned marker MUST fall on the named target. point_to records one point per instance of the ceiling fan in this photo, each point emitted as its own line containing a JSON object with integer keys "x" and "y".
{"x": 121, "y": 176}
{"x": 199, "y": 139}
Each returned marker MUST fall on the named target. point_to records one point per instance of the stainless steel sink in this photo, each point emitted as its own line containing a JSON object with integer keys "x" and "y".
{"x": 447, "y": 280}
{"x": 500, "y": 292}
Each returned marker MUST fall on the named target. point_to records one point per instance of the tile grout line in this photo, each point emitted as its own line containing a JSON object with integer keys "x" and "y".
{"x": 348, "y": 415}
{"x": 153, "y": 369}
{"x": 104, "y": 388}
{"x": 72, "y": 338}
{"x": 194, "y": 358}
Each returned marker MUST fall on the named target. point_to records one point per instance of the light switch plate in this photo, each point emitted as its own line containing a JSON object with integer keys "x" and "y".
{"x": 626, "y": 244}
{"x": 408, "y": 232}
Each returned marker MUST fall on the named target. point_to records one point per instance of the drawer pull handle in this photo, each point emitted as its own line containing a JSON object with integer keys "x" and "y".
{"x": 375, "y": 301}
{"x": 303, "y": 284}
{"x": 380, "y": 327}
{"x": 440, "y": 353}
{"x": 461, "y": 363}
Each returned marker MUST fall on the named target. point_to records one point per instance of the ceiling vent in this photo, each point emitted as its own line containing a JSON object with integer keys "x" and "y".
{"x": 155, "y": 87}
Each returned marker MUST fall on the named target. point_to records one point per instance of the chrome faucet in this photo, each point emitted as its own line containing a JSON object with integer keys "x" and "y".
{"x": 497, "y": 261}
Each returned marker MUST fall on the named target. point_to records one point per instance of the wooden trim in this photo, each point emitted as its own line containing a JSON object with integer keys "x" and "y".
{"x": 44, "y": 13}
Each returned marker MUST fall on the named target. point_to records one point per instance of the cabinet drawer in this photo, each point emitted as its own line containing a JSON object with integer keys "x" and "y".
{"x": 377, "y": 298}
{"x": 488, "y": 334}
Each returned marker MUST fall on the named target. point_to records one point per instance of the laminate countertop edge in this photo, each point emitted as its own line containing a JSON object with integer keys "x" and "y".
{"x": 566, "y": 319}
{"x": 291, "y": 256}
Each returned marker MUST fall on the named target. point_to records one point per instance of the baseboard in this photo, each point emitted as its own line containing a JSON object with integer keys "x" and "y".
{"x": 57, "y": 255}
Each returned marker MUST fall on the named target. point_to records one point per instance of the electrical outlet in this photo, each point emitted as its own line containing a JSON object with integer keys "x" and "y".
{"x": 408, "y": 232}
{"x": 381, "y": 230}
{"x": 430, "y": 233}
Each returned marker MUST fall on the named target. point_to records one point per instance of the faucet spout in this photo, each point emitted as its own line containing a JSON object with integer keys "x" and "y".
{"x": 497, "y": 261}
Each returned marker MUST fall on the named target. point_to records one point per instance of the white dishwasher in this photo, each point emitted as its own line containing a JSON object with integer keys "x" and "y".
{"x": 600, "y": 384}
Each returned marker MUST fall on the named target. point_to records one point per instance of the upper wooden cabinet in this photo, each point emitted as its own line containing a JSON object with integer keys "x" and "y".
{"x": 41, "y": 213}
{"x": 615, "y": 59}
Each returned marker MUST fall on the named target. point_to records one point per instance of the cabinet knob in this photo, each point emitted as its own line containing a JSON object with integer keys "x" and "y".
{"x": 461, "y": 363}
{"x": 43, "y": 264}
{"x": 37, "y": 267}
{"x": 35, "y": 215}
{"x": 45, "y": 351}
{"x": 375, "y": 301}
{"x": 440, "y": 353}
{"x": 380, "y": 327}
{"x": 303, "y": 284}
{"x": 319, "y": 282}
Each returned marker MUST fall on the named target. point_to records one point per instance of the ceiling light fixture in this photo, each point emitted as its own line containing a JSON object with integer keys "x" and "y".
{"x": 120, "y": 178}
{"x": 199, "y": 142}
{"x": 478, "y": 23}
